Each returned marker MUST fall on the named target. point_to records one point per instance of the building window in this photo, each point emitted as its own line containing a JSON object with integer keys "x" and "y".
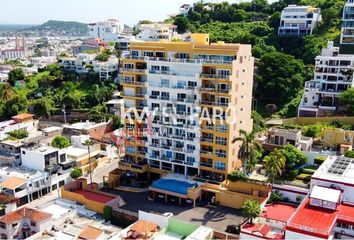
{"x": 220, "y": 165}
{"x": 14, "y": 225}
{"x": 33, "y": 224}
{"x": 3, "y": 236}
{"x": 2, "y": 225}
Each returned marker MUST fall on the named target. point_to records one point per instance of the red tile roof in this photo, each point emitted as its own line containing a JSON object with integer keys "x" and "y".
{"x": 279, "y": 211}
{"x": 312, "y": 220}
{"x": 260, "y": 230}
{"x": 27, "y": 213}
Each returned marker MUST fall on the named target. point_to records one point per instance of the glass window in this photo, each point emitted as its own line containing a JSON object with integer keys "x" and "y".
{"x": 220, "y": 165}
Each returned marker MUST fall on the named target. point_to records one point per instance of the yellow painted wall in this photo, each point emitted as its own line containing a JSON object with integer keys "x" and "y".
{"x": 335, "y": 137}
{"x": 234, "y": 200}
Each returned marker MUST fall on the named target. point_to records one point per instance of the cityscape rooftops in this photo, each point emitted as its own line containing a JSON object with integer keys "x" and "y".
{"x": 262, "y": 231}
{"x": 12, "y": 183}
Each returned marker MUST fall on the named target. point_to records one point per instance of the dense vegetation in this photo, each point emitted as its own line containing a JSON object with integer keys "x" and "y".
{"x": 283, "y": 60}
{"x": 46, "y": 92}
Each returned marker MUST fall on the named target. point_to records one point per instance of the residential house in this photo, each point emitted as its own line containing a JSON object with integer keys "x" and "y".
{"x": 299, "y": 20}
{"x": 333, "y": 75}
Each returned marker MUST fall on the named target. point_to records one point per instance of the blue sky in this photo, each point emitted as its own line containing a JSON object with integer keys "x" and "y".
{"x": 128, "y": 11}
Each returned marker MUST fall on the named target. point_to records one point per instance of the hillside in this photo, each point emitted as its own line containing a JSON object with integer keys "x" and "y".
{"x": 256, "y": 22}
{"x": 64, "y": 28}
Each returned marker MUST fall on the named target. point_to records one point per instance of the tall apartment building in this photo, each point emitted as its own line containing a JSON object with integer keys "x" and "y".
{"x": 299, "y": 20}
{"x": 347, "y": 36}
{"x": 183, "y": 81}
{"x": 333, "y": 75}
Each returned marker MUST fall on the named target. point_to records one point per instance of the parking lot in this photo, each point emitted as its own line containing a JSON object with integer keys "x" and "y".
{"x": 217, "y": 217}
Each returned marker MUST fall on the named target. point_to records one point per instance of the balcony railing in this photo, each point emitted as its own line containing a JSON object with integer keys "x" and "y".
{"x": 172, "y": 73}
{"x": 180, "y": 60}
{"x": 134, "y": 70}
{"x": 215, "y": 76}
{"x": 220, "y": 104}
{"x": 209, "y": 140}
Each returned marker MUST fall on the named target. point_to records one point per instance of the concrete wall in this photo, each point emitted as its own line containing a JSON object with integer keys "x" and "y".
{"x": 160, "y": 220}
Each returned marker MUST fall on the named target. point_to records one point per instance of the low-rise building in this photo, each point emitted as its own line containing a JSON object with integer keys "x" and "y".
{"x": 42, "y": 62}
{"x": 299, "y": 20}
{"x": 277, "y": 138}
{"x": 23, "y": 223}
{"x": 333, "y": 75}
{"x": 185, "y": 8}
{"x": 23, "y": 121}
{"x": 107, "y": 70}
{"x": 79, "y": 64}
{"x": 107, "y": 30}
{"x": 347, "y": 35}
{"x": 337, "y": 139}
{"x": 94, "y": 130}
{"x": 157, "y": 32}
{"x": 8, "y": 203}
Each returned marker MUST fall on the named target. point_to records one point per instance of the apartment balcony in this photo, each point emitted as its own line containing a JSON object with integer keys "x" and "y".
{"x": 133, "y": 83}
{"x": 206, "y": 153}
{"x": 215, "y": 77}
{"x": 134, "y": 71}
{"x": 141, "y": 167}
{"x": 179, "y": 60}
{"x": 206, "y": 140}
{"x": 136, "y": 96}
{"x": 212, "y": 90}
{"x": 214, "y": 104}
{"x": 169, "y": 73}
{"x": 206, "y": 165}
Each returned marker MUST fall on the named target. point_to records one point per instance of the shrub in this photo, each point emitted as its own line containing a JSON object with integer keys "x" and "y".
{"x": 76, "y": 173}
{"x": 320, "y": 159}
{"x": 107, "y": 213}
{"x": 349, "y": 154}
{"x": 235, "y": 176}
{"x": 275, "y": 196}
{"x": 61, "y": 142}
{"x": 18, "y": 134}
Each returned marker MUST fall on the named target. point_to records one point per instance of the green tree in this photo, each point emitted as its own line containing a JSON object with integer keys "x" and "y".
{"x": 107, "y": 213}
{"x": 76, "y": 173}
{"x": 17, "y": 104}
{"x": 347, "y": 99}
{"x": 6, "y": 92}
{"x": 182, "y": 23}
{"x": 280, "y": 76}
{"x": 246, "y": 152}
{"x": 274, "y": 164}
{"x": 275, "y": 196}
{"x": 294, "y": 158}
{"x": 43, "y": 106}
{"x": 16, "y": 75}
{"x": 145, "y": 21}
{"x": 60, "y": 142}
{"x": 251, "y": 210}
{"x": 116, "y": 122}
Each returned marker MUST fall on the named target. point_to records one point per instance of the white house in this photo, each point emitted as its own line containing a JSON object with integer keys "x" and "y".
{"x": 347, "y": 36}
{"x": 157, "y": 32}
{"x": 107, "y": 31}
{"x": 299, "y": 20}
{"x": 333, "y": 75}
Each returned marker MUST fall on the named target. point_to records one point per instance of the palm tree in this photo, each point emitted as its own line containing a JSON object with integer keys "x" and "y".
{"x": 251, "y": 209}
{"x": 89, "y": 143}
{"x": 274, "y": 164}
{"x": 246, "y": 153}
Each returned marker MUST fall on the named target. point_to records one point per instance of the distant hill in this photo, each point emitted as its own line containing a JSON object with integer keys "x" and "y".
{"x": 53, "y": 27}
{"x": 13, "y": 27}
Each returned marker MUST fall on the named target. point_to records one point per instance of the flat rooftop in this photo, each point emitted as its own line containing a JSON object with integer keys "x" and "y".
{"x": 338, "y": 169}
{"x": 24, "y": 173}
{"x": 279, "y": 211}
{"x": 314, "y": 220}
{"x": 95, "y": 196}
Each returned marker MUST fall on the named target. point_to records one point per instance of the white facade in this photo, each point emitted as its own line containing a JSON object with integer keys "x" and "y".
{"x": 347, "y": 36}
{"x": 107, "y": 31}
{"x": 333, "y": 75}
{"x": 106, "y": 70}
{"x": 8, "y": 126}
{"x": 156, "y": 32}
{"x": 185, "y": 8}
{"x": 12, "y": 54}
{"x": 299, "y": 20}
{"x": 42, "y": 62}
{"x": 79, "y": 63}
{"x": 4, "y": 77}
